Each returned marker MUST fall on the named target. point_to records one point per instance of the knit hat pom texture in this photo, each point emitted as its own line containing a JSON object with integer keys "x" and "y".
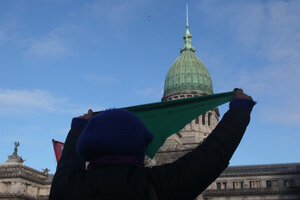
{"x": 114, "y": 132}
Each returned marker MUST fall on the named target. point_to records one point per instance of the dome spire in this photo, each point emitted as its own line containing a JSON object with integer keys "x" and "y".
{"x": 187, "y": 37}
{"x": 187, "y": 20}
{"x": 188, "y": 74}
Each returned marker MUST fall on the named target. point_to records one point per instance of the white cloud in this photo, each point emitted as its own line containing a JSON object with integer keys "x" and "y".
{"x": 79, "y": 29}
{"x": 9, "y": 27}
{"x": 48, "y": 46}
{"x": 285, "y": 117}
{"x": 33, "y": 101}
{"x": 257, "y": 23}
{"x": 270, "y": 31}
{"x": 154, "y": 93}
{"x": 27, "y": 101}
{"x": 14, "y": 30}
{"x": 36, "y": 101}
{"x": 148, "y": 92}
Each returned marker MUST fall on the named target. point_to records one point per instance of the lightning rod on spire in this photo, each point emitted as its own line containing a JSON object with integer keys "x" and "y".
{"x": 187, "y": 15}
{"x": 187, "y": 20}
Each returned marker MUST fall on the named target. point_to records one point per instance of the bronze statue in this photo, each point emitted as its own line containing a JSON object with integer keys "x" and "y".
{"x": 17, "y": 144}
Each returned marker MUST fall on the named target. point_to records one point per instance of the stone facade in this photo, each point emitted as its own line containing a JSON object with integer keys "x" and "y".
{"x": 251, "y": 182}
{"x": 18, "y": 181}
{"x": 188, "y": 138}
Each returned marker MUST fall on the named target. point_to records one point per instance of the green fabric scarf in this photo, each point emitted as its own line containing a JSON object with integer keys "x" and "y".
{"x": 165, "y": 118}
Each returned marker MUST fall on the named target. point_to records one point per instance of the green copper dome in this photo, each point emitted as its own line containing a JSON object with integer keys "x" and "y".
{"x": 188, "y": 73}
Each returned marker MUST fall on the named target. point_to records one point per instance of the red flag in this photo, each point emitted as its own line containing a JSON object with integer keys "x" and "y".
{"x": 58, "y": 148}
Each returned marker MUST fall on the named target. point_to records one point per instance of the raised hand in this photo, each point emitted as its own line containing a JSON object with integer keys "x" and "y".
{"x": 88, "y": 115}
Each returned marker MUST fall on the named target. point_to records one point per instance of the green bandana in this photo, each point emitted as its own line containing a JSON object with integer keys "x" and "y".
{"x": 163, "y": 119}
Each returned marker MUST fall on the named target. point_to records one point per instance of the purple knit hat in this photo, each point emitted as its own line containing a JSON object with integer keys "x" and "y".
{"x": 114, "y": 132}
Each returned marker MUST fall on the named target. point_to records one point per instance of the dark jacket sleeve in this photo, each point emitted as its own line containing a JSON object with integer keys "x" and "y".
{"x": 187, "y": 177}
{"x": 70, "y": 168}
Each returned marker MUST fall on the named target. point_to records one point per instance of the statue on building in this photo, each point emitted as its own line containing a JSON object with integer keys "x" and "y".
{"x": 46, "y": 171}
{"x": 15, "y": 158}
{"x": 17, "y": 144}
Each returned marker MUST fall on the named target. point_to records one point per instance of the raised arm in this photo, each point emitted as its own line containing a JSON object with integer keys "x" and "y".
{"x": 187, "y": 177}
{"x": 70, "y": 167}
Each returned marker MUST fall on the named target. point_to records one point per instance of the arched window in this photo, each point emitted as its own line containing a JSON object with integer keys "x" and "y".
{"x": 208, "y": 120}
{"x": 203, "y": 119}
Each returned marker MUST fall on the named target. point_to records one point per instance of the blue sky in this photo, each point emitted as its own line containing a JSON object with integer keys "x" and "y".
{"x": 60, "y": 57}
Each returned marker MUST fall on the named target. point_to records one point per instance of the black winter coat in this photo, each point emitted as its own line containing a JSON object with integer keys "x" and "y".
{"x": 183, "y": 179}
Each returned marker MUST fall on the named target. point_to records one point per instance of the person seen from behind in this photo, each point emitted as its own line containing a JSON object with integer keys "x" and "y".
{"x": 114, "y": 143}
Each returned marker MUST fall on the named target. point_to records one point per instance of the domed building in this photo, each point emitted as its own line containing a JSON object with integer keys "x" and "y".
{"x": 187, "y": 77}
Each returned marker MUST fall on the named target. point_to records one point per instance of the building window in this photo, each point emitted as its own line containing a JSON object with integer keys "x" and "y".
{"x": 238, "y": 185}
{"x": 286, "y": 183}
{"x": 254, "y": 184}
{"x": 221, "y": 185}
{"x": 208, "y": 120}
{"x": 181, "y": 96}
{"x": 203, "y": 119}
{"x": 189, "y": 95}
{"x": 292, "y": 183}
{"x": 197, "y": 120}
{"x": 218, "y": 185}
{"x": 269, "y": 183}
{"x": 175, "y": 97}
{"x": 289, "y": 183}
{"x": 224, "y": 185}
{"x": 251, "y": 184}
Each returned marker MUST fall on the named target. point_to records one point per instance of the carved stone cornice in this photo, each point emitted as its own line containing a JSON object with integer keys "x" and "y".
{"x": 257, "y": 170}
{"x": 16, "y": 170}
{"x": 14, "y": 196}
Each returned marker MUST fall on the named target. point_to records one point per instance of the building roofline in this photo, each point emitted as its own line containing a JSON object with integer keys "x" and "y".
{"x": 17, "y": 170}
{"x": 262, "y": 169}
{"x": 264, "y": 165}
